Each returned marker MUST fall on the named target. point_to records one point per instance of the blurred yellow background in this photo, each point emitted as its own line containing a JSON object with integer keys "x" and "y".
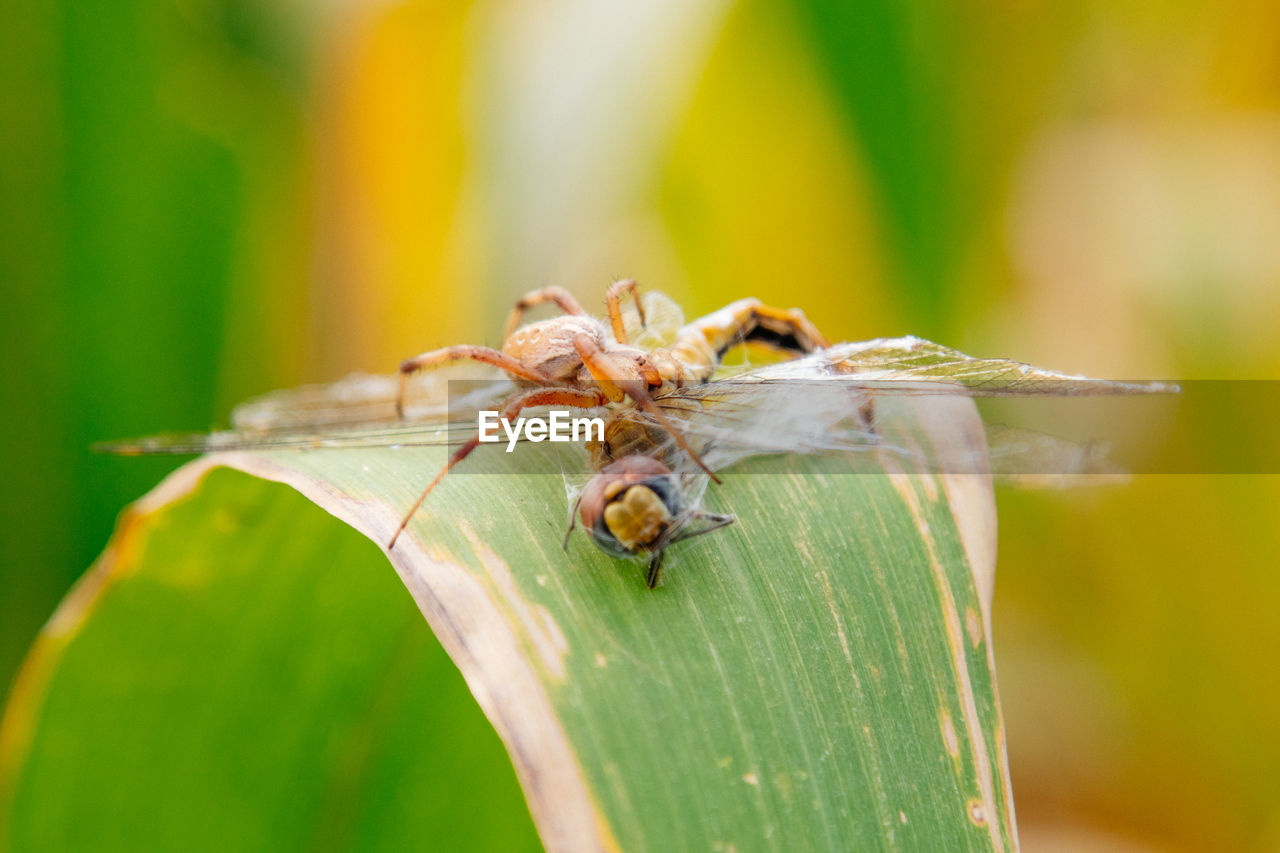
{"x": 205, "y": 199}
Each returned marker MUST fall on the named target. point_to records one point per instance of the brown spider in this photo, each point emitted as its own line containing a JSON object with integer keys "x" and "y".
{"x": 577, "y": 361}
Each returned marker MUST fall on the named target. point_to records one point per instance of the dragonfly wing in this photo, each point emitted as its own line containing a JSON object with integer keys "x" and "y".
{"x": 1031, "y": 459}
{"x": 731, "y": 420}
{"x": 358, "y": 411}
{"x": 662, "y": 319}
{"x": 362, "y": 399}
{"x": 408, "y": 434}
{"x": 914, "y": 365}
{"x": 828, "y": 401}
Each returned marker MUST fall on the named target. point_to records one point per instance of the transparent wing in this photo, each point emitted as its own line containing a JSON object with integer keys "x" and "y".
{"x": 358, "y": 411}
{"x": 832, "y": 400}
{"x": 736, "y": 418}
{"x": 662, "y": 320}
{"x": 911, "y": 365}
{"x": 408, "y": 435}
{"x": 739, "y": 421}
{"x": 1037, "y": 460}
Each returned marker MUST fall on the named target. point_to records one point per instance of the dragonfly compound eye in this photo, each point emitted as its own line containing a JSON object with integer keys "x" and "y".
{"x": 637, "y": 517}
{"x": 630, "y": 504}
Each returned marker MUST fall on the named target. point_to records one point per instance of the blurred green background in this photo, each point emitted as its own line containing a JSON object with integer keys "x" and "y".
{"x": 201, "y": 200}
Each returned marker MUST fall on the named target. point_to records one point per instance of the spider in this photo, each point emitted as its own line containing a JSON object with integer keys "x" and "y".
{"x": 576, "y": 361}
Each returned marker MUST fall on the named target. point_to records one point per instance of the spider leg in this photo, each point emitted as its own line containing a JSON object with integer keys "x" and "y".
{"x": 571, "y": 397}
{"x": 613, "y": 301}
{"x": 485, "y": 355}
{"x": 561, "y": 297}
{"x": 750, "y": 320}
{"x": 605, "y": 370}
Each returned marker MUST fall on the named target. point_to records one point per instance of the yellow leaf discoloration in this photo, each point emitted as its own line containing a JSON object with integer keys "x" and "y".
{"x": 973, "y": 624}
{"x": 949, "y": 737}
{"x": 947, "y": 411}
{"x": 536, "y": 621}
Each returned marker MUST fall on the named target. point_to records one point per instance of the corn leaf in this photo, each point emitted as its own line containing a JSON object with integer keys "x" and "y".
{"x": 236, "y": 673}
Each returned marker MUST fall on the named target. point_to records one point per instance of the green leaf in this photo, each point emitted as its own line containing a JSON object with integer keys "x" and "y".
{"x": 816, "y": 676}
{"x": 239, "y": 671}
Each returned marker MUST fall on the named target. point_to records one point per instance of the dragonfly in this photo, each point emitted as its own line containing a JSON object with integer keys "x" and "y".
{"x": 666, "y": 437}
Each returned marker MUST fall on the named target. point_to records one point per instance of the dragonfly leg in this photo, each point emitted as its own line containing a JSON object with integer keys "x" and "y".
{"x": 613, "y": 301}
{"x": 561, "y": 297}
{"x": 485, "y": 355}
{"x": 711, "y": 521}
{"x": 573, "y": 522}
{"x": 654, "y": 572}
{"x": 571, "y": 397}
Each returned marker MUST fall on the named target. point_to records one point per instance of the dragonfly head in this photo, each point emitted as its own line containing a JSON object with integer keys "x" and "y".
{"x": 630, "y": 505}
